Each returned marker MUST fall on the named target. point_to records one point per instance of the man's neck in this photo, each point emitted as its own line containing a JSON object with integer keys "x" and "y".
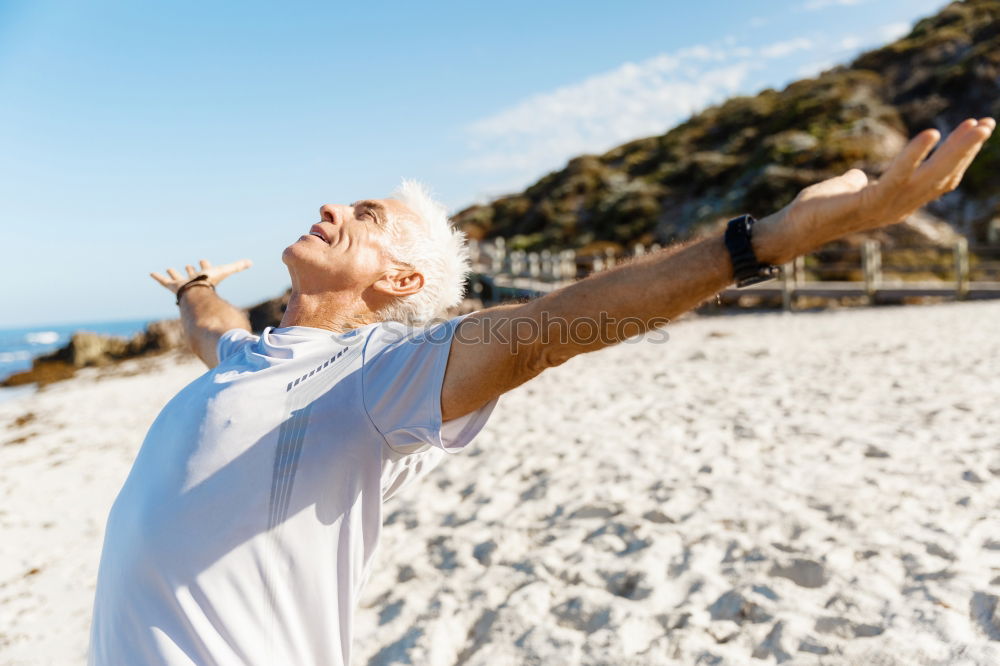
{"x": 325, "y": 311}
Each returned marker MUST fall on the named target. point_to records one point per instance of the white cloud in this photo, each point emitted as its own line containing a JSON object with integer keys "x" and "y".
{"x": 539, "y": 133}
{"x": 782, "y": 49}
{"x": 893, "y": 31}
{"x": 634, "y": 100}
{"x": 811, "y": 69}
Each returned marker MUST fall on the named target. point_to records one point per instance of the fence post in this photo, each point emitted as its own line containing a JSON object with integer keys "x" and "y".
{"x": 517, "y": 261}
{"x": 800, "y": 270}
{"x": 638, "y": 250}
{"x": 871, "y": 260}
{"x": 961, "y": 269}
{"x": 534, "y": 265}
{"x": 547, "y": 273}
{"x": 499, "y": 255}
{"x": 475, "y": 255}
{"x": 567, "y": 262}
{"x": 787, "y": 285}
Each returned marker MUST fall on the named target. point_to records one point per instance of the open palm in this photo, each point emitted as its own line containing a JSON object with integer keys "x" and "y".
{"x": 215, "y": 274}
{"x": 839, "y": 206}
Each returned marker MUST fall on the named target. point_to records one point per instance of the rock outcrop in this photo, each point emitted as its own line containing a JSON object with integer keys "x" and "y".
{"x": 269, "y": 312}
{"x": 92, "y": 349}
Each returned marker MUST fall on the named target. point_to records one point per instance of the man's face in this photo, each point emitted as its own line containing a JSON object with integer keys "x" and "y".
{"x": 348, "y": 247}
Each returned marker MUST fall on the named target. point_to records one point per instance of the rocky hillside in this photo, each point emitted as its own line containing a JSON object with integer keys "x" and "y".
{"x": 753, "y": 154}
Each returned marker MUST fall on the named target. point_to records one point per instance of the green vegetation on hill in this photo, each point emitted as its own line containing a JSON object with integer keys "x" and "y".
{"x": 753, "y": 154}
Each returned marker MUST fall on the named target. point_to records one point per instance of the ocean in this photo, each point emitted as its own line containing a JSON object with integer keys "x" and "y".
{"x": 18, "y": 346}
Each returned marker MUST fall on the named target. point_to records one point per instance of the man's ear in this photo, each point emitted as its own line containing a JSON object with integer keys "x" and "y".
{"x": 399, "y": 281}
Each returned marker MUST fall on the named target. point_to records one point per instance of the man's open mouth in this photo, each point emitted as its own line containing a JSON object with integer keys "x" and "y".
{"x": 318, "y": 232}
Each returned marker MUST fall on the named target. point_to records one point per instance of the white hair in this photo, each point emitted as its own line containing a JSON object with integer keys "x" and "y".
{"x": 438, "y": 252}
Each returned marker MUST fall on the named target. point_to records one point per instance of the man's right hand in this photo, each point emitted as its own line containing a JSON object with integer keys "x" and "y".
{"x": 205, "y": 316}
{"x": 215, "y": 274}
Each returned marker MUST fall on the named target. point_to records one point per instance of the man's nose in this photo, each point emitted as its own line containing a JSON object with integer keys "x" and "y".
{"x": 331, "y": 213}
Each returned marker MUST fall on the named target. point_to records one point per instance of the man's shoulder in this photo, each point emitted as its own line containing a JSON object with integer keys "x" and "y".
{"x": 391, "y": 334}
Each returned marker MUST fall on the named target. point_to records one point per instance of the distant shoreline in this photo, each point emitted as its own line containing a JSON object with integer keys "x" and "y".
{"x": 20, "y": 346}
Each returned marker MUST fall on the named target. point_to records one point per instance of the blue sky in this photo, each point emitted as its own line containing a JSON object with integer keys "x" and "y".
{"x": 138, "y": 135}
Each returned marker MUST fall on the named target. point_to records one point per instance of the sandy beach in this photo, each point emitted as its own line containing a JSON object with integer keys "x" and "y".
{"x": 809, "y": 488}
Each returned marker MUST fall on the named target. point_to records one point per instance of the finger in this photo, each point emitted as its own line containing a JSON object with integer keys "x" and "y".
{"x": 191, "y": 272}
{"x": 944, "y": 170}
{"x": 174, "y": 275}
{"x": 848, "y": 182}
{"x": 854, "y": 180}
{"x": 205, "y": 265}
{"x": 954, "y": 149}
{"x": 984, "y": 130}
{"x": 234, "y": 267}
{"x": 959, "y": 171}
{"x": 908, "y": 159}
{"x": 159, "y": 278}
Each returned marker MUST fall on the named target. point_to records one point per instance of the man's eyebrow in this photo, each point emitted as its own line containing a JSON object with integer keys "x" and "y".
{"x": 381, "y": 214}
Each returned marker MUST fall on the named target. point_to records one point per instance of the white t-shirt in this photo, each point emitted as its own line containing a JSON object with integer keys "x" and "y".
{"x": 247, "y": 525}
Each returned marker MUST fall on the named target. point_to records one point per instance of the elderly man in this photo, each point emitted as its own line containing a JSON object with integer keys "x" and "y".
{"x": 247, "y": 526}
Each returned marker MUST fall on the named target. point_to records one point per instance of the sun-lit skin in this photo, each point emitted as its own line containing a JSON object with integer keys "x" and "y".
{"x": 342, "y": 270}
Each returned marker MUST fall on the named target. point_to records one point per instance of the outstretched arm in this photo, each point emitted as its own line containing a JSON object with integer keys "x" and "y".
{"x": 204, "y": 314}
{"x": 497, "y": 349}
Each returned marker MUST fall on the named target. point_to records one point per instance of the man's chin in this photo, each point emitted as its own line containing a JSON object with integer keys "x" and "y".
{"x": 302, "y": 252}
{"x": 293, "y": 253}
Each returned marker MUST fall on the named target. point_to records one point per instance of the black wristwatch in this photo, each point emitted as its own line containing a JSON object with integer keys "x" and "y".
{"x": 747, "y": 270}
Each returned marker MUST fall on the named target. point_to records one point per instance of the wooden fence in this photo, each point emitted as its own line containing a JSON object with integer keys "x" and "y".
{"x": 870, "y": 272}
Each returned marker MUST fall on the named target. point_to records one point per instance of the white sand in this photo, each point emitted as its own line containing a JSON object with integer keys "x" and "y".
{"x": 807, "y": 489}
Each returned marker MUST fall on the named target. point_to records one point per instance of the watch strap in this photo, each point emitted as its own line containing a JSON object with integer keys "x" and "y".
{"x": 747, "y": 269}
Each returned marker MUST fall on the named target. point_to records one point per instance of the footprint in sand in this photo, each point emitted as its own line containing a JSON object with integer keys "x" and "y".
{"x": 628, "y": 584}
{"x": 802, "y": 572}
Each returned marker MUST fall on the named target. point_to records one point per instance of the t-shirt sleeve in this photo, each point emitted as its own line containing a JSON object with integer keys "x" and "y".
{"x": 402, "y": 374}
{"x": 233, "y": 341}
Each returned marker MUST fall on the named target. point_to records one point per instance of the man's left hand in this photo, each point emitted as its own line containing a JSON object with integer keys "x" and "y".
{"x": 839, "y": 206}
